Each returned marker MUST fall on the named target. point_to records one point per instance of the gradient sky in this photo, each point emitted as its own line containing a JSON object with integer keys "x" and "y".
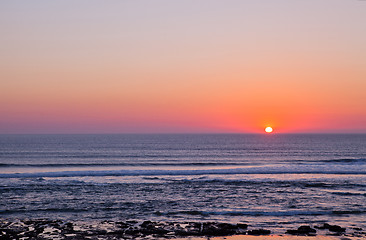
{"x": 182, "y": 66}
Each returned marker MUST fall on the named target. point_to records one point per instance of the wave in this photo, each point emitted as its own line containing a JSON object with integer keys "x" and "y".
{"x": 349, "y": 194}
{"x": 197, "y": 213}
{"x": 57, "y": 165}
{"x": 346, "y": 160}
{"x": 173, "y": 162}
{"x": 260, "y": 213}
{"x": 281, "y": 169}
{"x": 54, "y": 210}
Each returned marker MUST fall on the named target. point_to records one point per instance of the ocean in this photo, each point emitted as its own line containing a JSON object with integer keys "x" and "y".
{"x": 269, "y": 180}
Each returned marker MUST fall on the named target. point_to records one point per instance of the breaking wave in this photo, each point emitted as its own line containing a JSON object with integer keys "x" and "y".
{"x": 261, "y": 213}
{"x": 275, "y": 169}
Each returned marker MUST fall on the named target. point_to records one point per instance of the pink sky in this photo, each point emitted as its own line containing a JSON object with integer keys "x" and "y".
{"x": 186, "y": 66}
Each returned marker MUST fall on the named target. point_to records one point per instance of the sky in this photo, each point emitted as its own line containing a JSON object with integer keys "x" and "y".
{"x": 192, "y": 66}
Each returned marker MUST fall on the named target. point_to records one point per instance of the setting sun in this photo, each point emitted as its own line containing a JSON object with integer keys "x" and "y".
{"x": 268, "y": 130}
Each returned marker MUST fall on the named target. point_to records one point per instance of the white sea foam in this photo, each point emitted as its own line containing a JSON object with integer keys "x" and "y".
{"x": 274, "y": 169}
{"x": 263, "y": 213}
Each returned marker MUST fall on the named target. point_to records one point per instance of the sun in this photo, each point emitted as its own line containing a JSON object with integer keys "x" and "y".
{"x": 268, "y": 130}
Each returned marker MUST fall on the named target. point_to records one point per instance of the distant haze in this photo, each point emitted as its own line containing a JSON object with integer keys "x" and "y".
{"x": 182, "y": 66}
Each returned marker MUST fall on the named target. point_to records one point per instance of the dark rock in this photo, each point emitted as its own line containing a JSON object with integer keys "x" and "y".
{"x": 336, "y": 228}
{"x": 292, "y": 232}
{"x": 31, "y": 234}
{"x": 306, "y": 229}
{"x": 132, "y": 231}
{"x": 194, "y": 225}
{"x": 29, "y": 222}
{"x": 185, "y": 232}
{"x": 150, "y": 228}
{"x": 146, "y": 224}
{"x": 302, "y": 230}
{"x": 332, "y": 228}
{"x": 218, "y": 229}
{"x": 242, "y": 225}
{"x": 95, "y": 232}
{"x": 227, "y": 226}
{"x": 68, "y": 227}
{"x": 117, "y": 232}
{"x": 132, "y": 222}
{"x": 258, "y": 232}
{"x": 158, "y": 231}
{"x": 122, "y": 224}
{"x": 38, "y": 229}
{"x": 192, "y": 229}
{"x": 357, "y": 229}
{"x": 55, "y": 223}
{"x": 207, "y": 229}
{"x": 195, "y": 228}
{"x": 12, "y": 232}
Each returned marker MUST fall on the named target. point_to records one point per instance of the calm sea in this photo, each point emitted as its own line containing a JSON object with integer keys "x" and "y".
{"x": 263, "y": 180}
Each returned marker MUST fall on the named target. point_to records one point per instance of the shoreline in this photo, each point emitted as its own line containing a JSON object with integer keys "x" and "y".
{"x": 273, "y": 237}
{"x": 59, "y": 229}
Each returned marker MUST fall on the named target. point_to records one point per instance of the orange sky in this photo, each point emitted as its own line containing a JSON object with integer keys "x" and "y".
{"x": 190, "y": 66}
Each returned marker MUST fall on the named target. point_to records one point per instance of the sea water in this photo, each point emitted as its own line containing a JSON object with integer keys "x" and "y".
{"x": 263, "y": 180}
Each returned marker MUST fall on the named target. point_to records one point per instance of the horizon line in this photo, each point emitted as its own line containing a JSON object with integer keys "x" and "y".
{"x": 189, "y": 133}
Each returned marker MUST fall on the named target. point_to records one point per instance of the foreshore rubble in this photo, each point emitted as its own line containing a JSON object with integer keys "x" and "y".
{"x": 58, "y": 229}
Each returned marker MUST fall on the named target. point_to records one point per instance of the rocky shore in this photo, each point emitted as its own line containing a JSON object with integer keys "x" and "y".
{"x": 57, "y": 229}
